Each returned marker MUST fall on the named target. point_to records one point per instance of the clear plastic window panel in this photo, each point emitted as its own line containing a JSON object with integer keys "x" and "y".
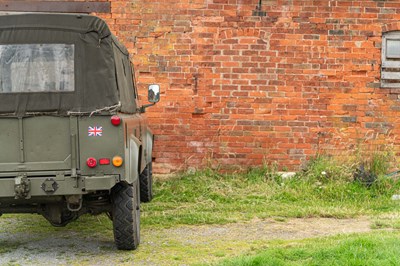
{"x": 36, "y": 68}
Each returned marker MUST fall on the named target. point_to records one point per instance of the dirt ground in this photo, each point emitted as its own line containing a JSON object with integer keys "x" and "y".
{"x": 183, "y": 245}
{"x": 271, "y": 229}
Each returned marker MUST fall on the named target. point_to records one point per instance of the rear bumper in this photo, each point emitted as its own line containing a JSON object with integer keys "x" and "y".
{"x": 25, "y": 187}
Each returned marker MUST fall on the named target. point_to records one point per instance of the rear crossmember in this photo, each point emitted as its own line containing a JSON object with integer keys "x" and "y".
{"x": 25, "y": 186}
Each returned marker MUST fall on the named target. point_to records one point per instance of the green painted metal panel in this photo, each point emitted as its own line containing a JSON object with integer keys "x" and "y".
{"x": 9, "y": 141}
{"x": 134, "y": 145}
{"x": 47, "y": 139}
{"x": 35, "y": 143}
{"x": 98, "y": 138}
{"x": 99, "y": 182}
{"x": 65, "y": 186}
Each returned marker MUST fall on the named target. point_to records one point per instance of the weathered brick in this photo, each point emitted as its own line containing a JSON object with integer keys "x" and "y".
{"x": 349, "y": 119}
{"x": 248, "y": 89}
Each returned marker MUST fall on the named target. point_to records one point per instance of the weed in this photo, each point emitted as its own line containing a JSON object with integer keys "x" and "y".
{"x": 379, "y": 163}
{"x": 380, "y": 225}
{"x": 325, "y": 188}
{"x": 323, "y": 168}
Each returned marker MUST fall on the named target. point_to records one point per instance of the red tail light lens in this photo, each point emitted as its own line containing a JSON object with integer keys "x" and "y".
{"x": 104, "y": 161}
{"x": 91, "y": 162}
{"x": 115, "y": 120}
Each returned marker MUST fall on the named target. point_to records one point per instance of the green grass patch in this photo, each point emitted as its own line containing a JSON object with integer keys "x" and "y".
{"x": 378, "y": 248}
{"x": 324, "y": 189}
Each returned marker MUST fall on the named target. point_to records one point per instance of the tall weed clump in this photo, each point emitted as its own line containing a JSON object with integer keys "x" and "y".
{"x": 365, "y": 168}
{"x": 325, "y": 187}
{"x": 324, "y": 168}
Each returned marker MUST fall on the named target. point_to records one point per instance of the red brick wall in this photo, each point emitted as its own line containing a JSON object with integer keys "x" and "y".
{"x": 241, "y": 90}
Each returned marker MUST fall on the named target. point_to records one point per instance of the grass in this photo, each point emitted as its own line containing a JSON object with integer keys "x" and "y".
{"x": 7, "y": 246}
{"x": 323, "y": 189}
{"x": 380, "y": 248}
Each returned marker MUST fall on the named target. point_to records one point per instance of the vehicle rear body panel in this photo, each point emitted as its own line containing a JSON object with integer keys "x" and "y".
{"x": 10, "y": 145}
{"x": 35, "y": 143}
{"x": 98, "y": 138}
{"x": 52, "y": 147}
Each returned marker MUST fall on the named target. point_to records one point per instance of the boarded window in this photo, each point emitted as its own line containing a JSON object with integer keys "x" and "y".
{"x": 36, "y": 68}
{"x": 390, "y": 70}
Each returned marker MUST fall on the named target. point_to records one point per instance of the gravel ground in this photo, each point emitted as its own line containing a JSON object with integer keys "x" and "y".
{"x": 182, "y": 245}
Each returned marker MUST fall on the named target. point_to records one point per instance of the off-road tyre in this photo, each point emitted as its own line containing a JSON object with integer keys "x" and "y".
{"x": 146, "y": 183}
{"x": 126, "y": 215}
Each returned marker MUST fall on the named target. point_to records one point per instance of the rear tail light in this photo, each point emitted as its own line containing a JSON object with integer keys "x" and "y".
{"x": 91, "y": 162}
{"x": 117, "y": 161}
{"x": 104, "y": 161}
{"x": 115, "y": 120}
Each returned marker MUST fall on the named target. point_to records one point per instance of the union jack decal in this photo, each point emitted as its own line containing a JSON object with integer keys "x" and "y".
{"x": 95, "y": 131}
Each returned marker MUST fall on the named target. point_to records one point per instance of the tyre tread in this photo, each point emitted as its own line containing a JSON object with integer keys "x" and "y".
{"x": 123, "y": 218}
{"x": 146, "y": 186}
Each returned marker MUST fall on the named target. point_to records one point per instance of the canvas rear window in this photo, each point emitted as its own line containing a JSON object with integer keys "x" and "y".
{"x": 37, "y": 68}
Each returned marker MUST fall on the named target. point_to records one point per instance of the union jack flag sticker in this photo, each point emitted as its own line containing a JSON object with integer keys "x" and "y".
{"x": 95, "y": 131}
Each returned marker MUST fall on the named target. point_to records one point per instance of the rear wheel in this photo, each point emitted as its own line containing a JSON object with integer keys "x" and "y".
{"x": 126, "y": 215}
{"x": 146, "y": 183}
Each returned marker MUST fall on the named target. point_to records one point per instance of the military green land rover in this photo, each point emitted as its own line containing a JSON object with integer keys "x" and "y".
{"x": 73, "y": 138}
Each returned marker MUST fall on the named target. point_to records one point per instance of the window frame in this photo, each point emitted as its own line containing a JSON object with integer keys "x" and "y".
{"x": 390, "y": 66}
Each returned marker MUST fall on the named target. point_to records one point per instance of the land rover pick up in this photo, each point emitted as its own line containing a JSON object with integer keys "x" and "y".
{"x": 73, "y": 137}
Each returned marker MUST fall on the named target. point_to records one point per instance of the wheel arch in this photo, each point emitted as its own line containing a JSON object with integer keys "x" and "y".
{"x": 133, "y": 160}
{"x": 149, "y": 147}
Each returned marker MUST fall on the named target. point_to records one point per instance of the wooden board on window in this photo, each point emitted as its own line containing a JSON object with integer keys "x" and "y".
{"x": 56, "y": 6}
{"x": 391, "y": 75}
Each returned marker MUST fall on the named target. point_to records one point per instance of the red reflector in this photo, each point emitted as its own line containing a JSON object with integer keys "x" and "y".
{"x": 91, "y": 162}
{"x": 115, "y": 120}
{"x": 104, "y": 161}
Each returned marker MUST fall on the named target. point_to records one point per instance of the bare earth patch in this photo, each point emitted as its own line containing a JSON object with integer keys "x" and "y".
{"x": 182, "y": 245}
{"x": 257, "y": 230}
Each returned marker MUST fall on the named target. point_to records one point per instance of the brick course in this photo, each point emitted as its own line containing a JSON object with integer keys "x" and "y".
{"x": 241, "y": 90}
